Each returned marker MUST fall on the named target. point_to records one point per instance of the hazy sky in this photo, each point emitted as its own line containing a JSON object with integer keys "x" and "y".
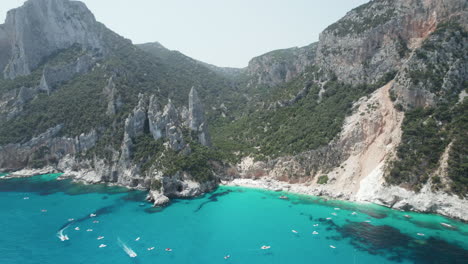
{"x": 220, "y": 32}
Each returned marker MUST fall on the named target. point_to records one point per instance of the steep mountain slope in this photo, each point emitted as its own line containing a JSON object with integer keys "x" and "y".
{"x": 302, "y": 135}
{"x": 374, "y": 111}
{"x": 90, "y": 103}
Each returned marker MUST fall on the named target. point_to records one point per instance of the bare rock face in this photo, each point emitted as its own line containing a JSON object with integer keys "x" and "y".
{"x": 436, "y": 69}
{"x": 135, "y": 122}
{"x": 54, "y": 75}
{"x": 373, "y": 39}
{"x": 280, "y": 66}
{"x": 114, "y": 100}
{"x": 196, "y": 118}
{"x": 41, "y": 27}
{"x": 45, "y": 149}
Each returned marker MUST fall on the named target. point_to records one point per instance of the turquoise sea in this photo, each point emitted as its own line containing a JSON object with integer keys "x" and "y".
{"x": 230, "y": 221}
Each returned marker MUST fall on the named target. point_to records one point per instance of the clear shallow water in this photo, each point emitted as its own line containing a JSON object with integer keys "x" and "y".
{"x": 234, "y": 221}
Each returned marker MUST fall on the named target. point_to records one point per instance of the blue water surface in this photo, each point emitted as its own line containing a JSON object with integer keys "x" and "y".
{"x": 230, "y": 221}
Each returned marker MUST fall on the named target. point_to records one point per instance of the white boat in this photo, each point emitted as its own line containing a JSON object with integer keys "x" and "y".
{"x": 265, "y": 247}
{"x": 89, "y": 230}
{"x": 332, "y": 246}
{"x": 420, "y": 234}
{"x": 334, "y": 214}
{"x": 316, "y": 225}
{"x": 294, "y": 231}
{"x": 137, "y": 239}
{"x": 315, "y": 233}
{"x": 92, "y": 215}
{"x": 227, "y": 256}
{"x": 446, "y": 225}
{"x": 102, "y": 245}
{"x": 150, "y": 248}
{"x": 100, "y": 237}
{"x": 354, "y": 213}
{"x": 127, "y": 249}
{"x": 77, "y": 228}
{"x": 61, "y": 235}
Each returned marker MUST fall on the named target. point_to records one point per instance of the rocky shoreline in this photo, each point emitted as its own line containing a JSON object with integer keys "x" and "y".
{"x": 392, "y": 197}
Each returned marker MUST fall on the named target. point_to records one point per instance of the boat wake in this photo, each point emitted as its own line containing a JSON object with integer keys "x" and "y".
{"x": 61, "y": 235}
{"x": 127, "y": 250}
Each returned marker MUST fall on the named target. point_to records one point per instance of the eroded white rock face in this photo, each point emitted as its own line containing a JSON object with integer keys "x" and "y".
{"x": 157, "y": 198}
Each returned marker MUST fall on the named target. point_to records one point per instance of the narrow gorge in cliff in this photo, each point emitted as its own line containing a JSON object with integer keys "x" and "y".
{"x": 370, "y": 121}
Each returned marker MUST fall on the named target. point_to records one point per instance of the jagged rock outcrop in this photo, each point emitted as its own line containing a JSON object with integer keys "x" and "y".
{"x": 40, "y": 28}
{"x": 196, "y": 118}
{"x": 114, "y": 100}
{"x": 165, "y": 124}
{"x": 179, "y": 185}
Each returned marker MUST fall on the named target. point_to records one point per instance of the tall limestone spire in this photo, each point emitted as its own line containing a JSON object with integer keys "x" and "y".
{"x": 196, "y": 118}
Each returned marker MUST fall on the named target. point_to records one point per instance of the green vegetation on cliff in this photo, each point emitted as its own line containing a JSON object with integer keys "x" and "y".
{"x": 313, "y": 121}
{"x": 427, "y": 132}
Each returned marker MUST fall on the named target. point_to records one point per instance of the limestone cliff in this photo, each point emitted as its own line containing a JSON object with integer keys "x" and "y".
{"x": 40, "y": 28}
{"x": 279, "y": 66}
{"x": 142, "y": 112}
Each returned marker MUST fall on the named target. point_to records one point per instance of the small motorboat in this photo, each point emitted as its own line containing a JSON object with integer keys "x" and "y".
{"x": 168, "y": 249}
{"x": 284, "y": 197}
{"x": 328, "y": 218}
{"x": 77, "y": 228}
{"x": 100, "y": 237}
{"x": 227, "y": 256}
{"x": 420, "y": 234}
{"x": 332, "y": 246}
{"x": 137, "y": 239}
{"x": 150, "y": 248}
{"x": 26, "y": 198}
{"x": 294, "y": 231}
{"x": 354, "y": 213}
{"x": 92, "y": 215}
{"x": 70, "y": 219}
{"x": 265, "y": 247}
{"x": 446, "y": 225}
{"x": 334, "y": 214}
{"x": 89, "y": 230}
{"x": 315, "y": 233}
{"x": 95, "y": 222}
{"x": 102, "y": 246}
{"x": 316, "y": 224}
